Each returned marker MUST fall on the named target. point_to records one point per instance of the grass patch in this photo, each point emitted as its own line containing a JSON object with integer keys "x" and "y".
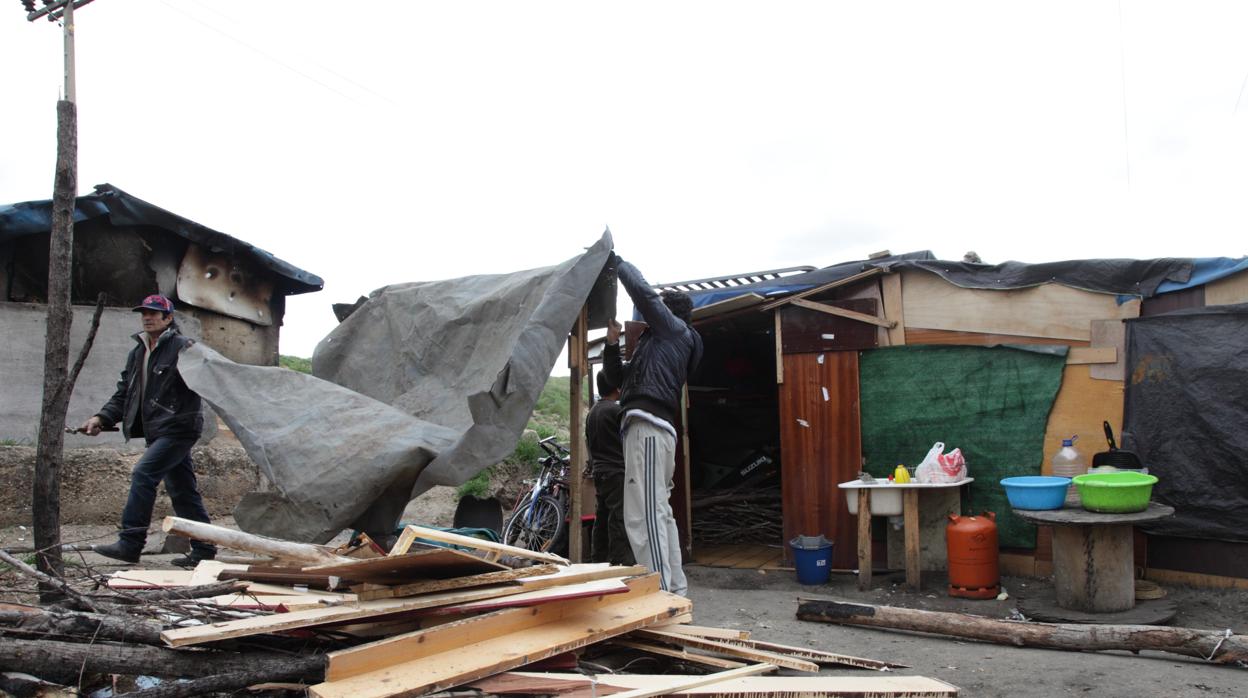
{"x": 478, "y": 486}
{"x": 295, "y": 363}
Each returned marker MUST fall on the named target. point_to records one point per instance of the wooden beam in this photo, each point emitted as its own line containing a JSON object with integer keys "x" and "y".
{"x": 579, "y": 685}
{"x": 426, "y": 563}
{"x": 727, "y": 648}
{"x": 304, "y": 553}
{"x": 779, "y": 349}
{"x": 819, "y": 656}
{"x": 875, "y": 271}
{"x": 1092, "y": 355}
{"x": 579, "y": 363}
{"x": 864, "y": 538}
{"x": 474, "y": 580}
{"x": 243, "y": 627}
{"x": 680, "y": 654}
{"x": 703, "y": 631}
{"x": 679, "y": 685}
{"x": 894, "y": 308}
{"x": 406, "y": 538}
{"x": 841, "y": 312}
{"x": 910, "y": 512}
{"x": 486, "y": 546}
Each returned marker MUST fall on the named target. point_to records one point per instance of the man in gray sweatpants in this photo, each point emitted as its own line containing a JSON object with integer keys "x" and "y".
{"x": 652, "y": 383}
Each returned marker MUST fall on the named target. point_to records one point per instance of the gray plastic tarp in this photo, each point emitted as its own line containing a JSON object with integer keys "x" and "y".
{"x": 424, "y": 384}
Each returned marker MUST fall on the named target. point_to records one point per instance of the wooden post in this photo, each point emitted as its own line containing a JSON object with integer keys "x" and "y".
{"x": 49, "y": 451}
{"x": 910, "y": 512}
{"x": 779, "y": 349}
{"x": 864, "y": 538}
{"x": 578, "y": 361}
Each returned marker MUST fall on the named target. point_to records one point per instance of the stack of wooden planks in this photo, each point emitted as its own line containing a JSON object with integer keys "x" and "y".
{"x": 424, "y": 619}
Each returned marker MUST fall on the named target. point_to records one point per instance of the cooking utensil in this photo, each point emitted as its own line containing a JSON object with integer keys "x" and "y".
{"x": 1116, "y": 457}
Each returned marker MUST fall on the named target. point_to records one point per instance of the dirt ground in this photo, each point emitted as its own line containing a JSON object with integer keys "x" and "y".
{"x": 766, "y": 603}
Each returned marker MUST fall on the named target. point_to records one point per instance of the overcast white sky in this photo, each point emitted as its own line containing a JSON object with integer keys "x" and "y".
{"x": 376, "y": 143}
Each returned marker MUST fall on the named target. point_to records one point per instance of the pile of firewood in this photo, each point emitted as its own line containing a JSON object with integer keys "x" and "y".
{"x": 738, "y": 516}
{"x": 436, "y": 612}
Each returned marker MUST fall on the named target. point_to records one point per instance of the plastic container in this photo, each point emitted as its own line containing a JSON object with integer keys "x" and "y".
{"x": 813, "y": 558}
{"x": 1123, "y": 492}
{"x": 974, "y": 572}
{"x": 1068, "y": 462}
{"x": 1036, "y": 492}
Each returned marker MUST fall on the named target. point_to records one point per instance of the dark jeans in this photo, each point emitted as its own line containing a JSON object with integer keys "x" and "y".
{"x": 168, "y": 459}
{"x": 610, "y": 541}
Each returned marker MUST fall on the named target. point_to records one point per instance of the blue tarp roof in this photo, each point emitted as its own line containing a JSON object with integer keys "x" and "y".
{"x": 122, "y": 209}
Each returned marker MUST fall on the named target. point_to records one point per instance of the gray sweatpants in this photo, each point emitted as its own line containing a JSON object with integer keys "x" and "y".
{"x": 649, "y": 464}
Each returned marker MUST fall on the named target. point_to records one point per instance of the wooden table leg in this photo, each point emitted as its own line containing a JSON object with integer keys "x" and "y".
{"x": 910, "y": 510}
{"x": 1092, "y": 568}
{"x": 864, "y": 538}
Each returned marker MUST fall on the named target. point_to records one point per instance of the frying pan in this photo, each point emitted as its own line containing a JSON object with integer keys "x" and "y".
{"x": 1115, "y": 457}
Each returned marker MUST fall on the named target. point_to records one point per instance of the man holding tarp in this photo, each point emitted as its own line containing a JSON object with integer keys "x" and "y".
{"x": 651, "y": 388}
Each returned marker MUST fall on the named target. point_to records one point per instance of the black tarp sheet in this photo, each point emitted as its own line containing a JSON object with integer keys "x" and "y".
{"x": 1186, "y": 415}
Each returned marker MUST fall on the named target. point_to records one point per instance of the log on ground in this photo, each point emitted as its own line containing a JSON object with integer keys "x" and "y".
{"x": 1212, "y": 645}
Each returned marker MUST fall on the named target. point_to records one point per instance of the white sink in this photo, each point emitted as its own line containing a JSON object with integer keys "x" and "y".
{"x": 886, "y": 496}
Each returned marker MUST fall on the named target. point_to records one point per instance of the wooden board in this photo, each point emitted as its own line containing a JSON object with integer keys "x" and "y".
{"x": 1051, "y": 310}
{"x": 704, "y": 631}
{"x": 807, "y": 330}
{"x": 1228, "y": 290}
{"x": 1110, "y": 333}
{"x": 456, "y": 653}
{"x": 429, "y": 563}
{"x": 1092, "y": 355}
{"x": 473, "y": 580}
{"x": 683, "y": 655}
{"x": 600, "y": 587}
{"x": 821, "y": 446}
{"x": 725, "y": 647}
{"x": 816, "y": 656}
{"x": 687, "y": 683}
{"x": 243, "y": 627}
{"x": 847, "y": 281}
{"x": 577, "y": 685}
{"x": 894, "y": 308}
{"x": 485, "y": 546}
{"x": 149, "y": 579}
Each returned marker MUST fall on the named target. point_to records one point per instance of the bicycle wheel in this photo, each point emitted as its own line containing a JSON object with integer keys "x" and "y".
{"x": 535, "y": 525}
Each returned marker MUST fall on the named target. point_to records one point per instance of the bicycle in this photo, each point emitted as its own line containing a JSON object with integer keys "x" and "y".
{"x": 538, "y": 520}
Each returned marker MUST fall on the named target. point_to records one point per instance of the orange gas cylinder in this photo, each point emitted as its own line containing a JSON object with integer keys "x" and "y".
{"x": 972, "y": 545}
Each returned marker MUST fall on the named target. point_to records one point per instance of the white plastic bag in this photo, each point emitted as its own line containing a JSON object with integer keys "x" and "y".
{"x": 941, "y": 467}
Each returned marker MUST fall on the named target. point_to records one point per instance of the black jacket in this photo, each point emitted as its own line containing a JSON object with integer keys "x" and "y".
{"x": 667, "y": 352}
{"x": 169, "y": 408}
{"x": 602, "y": 436}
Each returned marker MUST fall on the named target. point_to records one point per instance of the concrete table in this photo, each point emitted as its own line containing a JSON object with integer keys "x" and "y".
{"x": 1093, "y": 567}
{"x": 882, "y": 498}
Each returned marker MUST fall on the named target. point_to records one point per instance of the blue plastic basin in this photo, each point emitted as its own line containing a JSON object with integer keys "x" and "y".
{"x": 1036, "y": 491}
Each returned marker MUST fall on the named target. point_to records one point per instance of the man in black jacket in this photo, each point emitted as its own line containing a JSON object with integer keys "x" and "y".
{"x": 152, "y": 402}
{"x": 606, "y": 462}
{"x": 652, "y": 385}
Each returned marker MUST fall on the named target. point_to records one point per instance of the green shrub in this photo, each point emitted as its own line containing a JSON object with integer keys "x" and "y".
{"x": 527, "y": 452}
{"x": 544, "y": 431}
{"x": 478, "y": 486}
{"x": 295, "y": 363}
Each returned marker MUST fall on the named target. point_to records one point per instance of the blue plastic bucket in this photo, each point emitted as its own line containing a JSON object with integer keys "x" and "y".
{"x": 813, "y": 555}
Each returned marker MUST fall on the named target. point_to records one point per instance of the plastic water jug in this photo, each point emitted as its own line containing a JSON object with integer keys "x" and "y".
{"x": 1067, "y": 462}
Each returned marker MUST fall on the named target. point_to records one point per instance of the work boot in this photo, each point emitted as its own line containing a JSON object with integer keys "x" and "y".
{"x": 117, "y": 552}
{"x": 191, "y": 560}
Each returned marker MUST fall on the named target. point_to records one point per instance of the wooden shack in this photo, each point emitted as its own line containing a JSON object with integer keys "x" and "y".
{"x": 229, "y": 294}
{"x": 791, "y": 367}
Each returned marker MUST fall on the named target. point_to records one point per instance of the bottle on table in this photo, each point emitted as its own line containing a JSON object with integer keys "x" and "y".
{"x": 1068, "y": 462}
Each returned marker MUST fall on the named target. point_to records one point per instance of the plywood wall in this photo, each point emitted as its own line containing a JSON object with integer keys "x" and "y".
{"x": 821, "y": 446}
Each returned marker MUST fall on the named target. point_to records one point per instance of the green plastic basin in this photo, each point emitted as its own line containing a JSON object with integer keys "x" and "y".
{"x": 1115, "y": 493}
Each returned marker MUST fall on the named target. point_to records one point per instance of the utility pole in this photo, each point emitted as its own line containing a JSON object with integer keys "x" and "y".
{"x": 49, "y": 453}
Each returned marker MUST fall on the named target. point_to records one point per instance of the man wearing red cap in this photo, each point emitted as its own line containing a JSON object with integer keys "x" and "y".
{"x": 152, "y": 402}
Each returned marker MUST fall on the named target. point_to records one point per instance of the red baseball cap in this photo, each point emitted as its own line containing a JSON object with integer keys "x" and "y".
{"x": 155, "y": 302}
